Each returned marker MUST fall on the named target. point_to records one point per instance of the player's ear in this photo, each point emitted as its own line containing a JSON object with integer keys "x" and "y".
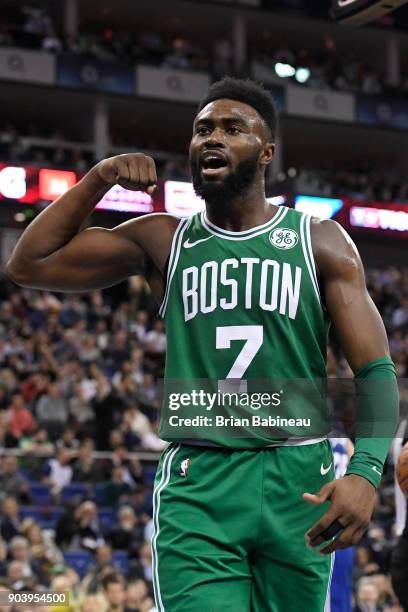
{"x": 267, "y": 153}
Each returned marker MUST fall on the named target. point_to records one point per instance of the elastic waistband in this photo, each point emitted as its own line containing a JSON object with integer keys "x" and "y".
{"x": 288, "y": 442}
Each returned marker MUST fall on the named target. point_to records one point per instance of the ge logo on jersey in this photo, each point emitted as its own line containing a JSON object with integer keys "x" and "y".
{"x": 283, "y": 238}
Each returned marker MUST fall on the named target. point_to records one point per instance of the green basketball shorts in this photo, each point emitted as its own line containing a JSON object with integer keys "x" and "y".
{"x": 229, "y": 529}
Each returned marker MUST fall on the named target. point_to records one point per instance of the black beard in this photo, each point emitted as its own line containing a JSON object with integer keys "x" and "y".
{"x": 232, "y": 186}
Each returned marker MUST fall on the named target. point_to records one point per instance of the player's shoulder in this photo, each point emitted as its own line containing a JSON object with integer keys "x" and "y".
{"x": 333, "y": 249}
{"x": 328, "y": 234}
{"x": 153, "y": 222}
{"x": 162, "y": 219}
{"x": 318, "y": 226}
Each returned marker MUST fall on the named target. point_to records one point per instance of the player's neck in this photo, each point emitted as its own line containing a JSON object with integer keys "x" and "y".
{"x": 247, "y": 210}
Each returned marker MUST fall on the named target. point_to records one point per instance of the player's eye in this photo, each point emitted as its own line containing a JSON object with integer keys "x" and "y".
{"x": 233, "y": 130}
{"x": 201, "y": 131}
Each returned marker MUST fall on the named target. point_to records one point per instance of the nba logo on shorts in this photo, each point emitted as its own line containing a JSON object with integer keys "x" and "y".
{"x": 284, "y": 238}
{"x": 184, "y": 468}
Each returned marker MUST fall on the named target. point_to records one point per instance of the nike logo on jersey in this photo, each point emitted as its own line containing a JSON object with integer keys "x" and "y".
{"x": 375, "y": 468}
{"x": 189, "y": 245}
{"x": 324, "y": 470}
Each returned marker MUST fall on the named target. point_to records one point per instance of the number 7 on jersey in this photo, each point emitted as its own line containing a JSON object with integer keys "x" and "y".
{"x": 253, "y": 334}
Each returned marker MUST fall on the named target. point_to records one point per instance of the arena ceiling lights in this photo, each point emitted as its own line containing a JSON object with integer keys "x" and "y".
{"x": 359, "y": 12}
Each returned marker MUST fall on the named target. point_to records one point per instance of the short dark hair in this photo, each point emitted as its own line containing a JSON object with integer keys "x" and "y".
{"x": 112, "y": 578}
{"x": 246, "y": 91}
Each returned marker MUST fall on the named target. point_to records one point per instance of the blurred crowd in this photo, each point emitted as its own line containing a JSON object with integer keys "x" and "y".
{"x": 67, "y": 362}
{"x": 76, "y": 500}
{"x": 381, "y": 180}
{"x": 323, "y": 67}
{"x": 37, "y": 146}
{"x": 34, "y": 28}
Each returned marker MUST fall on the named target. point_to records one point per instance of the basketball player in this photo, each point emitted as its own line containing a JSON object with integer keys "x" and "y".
{"x": 247, "y": 291}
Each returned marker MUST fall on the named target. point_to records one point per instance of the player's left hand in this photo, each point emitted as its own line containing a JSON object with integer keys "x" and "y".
{"x": 352, "y": 500}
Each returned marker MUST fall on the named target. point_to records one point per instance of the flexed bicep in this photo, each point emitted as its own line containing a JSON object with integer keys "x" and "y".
{"x": 95, "y": 258}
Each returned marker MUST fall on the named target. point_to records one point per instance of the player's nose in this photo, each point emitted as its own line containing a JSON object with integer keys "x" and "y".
{"x": 216, "y": 138}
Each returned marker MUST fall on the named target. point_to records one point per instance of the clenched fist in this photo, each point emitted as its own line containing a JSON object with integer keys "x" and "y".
{"x": 134, "y": 171}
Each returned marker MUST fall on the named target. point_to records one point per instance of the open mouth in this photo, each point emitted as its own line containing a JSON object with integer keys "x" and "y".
{"x": 213, "y": 165}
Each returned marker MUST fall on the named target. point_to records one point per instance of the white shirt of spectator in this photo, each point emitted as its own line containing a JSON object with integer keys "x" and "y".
{"x": 60, "y": 475}
{"x": 156, "y": 339}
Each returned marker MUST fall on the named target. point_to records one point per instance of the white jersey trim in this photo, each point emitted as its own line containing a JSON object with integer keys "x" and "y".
{"x": 327, "y": 607}
{"x": 308, "y": 253}
{"x": 246, "y": 234}
{"x": 165, "y": 478}
{"x": 173, "y": 259}
{"x": 302, "y": 441}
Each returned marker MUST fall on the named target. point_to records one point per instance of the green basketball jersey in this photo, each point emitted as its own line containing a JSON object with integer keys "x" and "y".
{"x": 244, "y": 305}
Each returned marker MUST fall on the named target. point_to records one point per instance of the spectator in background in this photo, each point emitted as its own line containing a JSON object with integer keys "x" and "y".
{"x": 20, "y": 419}
{"x": 367, "y": 598}
{"x": 37, "y": 537}
{"x": 137, "y": 596}
{"x": 16, "y": 579}
{"x": 68, "y": 440}
{"x": 8, "y": 380}
{"x": 103, "y": 405}
{"x": 35, "y": 448}
{"x": 12, "y": 482}
{"x": 102, "y": 336}
{"x": 10, "y": 524}
{"x": 138, "y": 327}
{"x": 80, "y": 409}
{"x": 155, "y": 340}
{"x": 138, "y": 422}
{"x": 116, "y": 490}
{"x": 178, "y": 58}
{"x": 147, "y": 394}
{"x": 90, "y": 531}
{"x": 103, "y": 566}
{"x": 127, "y": 389}
{"x": 52, "y": 411}
{"x": 120, "y": 318}
{"x": 67, "y": 527}
{"x": 89, "y": 350}
{"x": 94, "y": 603}
{"x": 145, "y": 558}
{"x": 132, "y": 468}
{"x": 58, "y": 472}
{"x": 124, "y": 373}
{"x": 3, "y": 559}
{"x": 115, "y": 440}
{"x": 34, "y": 386}
{"x": 128, "y": 535}
{"x": 20, "y": 551}
{"x": 86, "y": 468}
{"x": 370, "y": 81}
{"x": 151, "y": 441}
{"x": 131, "y": 440}
{"x": 114, "y": 588}
{"x": 4, "y": 399}
{"x": 118, "y": 352}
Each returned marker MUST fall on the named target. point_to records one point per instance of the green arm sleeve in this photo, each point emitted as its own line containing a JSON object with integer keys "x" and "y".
{"x": 377, "y": 418}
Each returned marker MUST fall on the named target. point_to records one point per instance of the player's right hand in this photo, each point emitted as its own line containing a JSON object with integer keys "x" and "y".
{"x": 134, "y": 171}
